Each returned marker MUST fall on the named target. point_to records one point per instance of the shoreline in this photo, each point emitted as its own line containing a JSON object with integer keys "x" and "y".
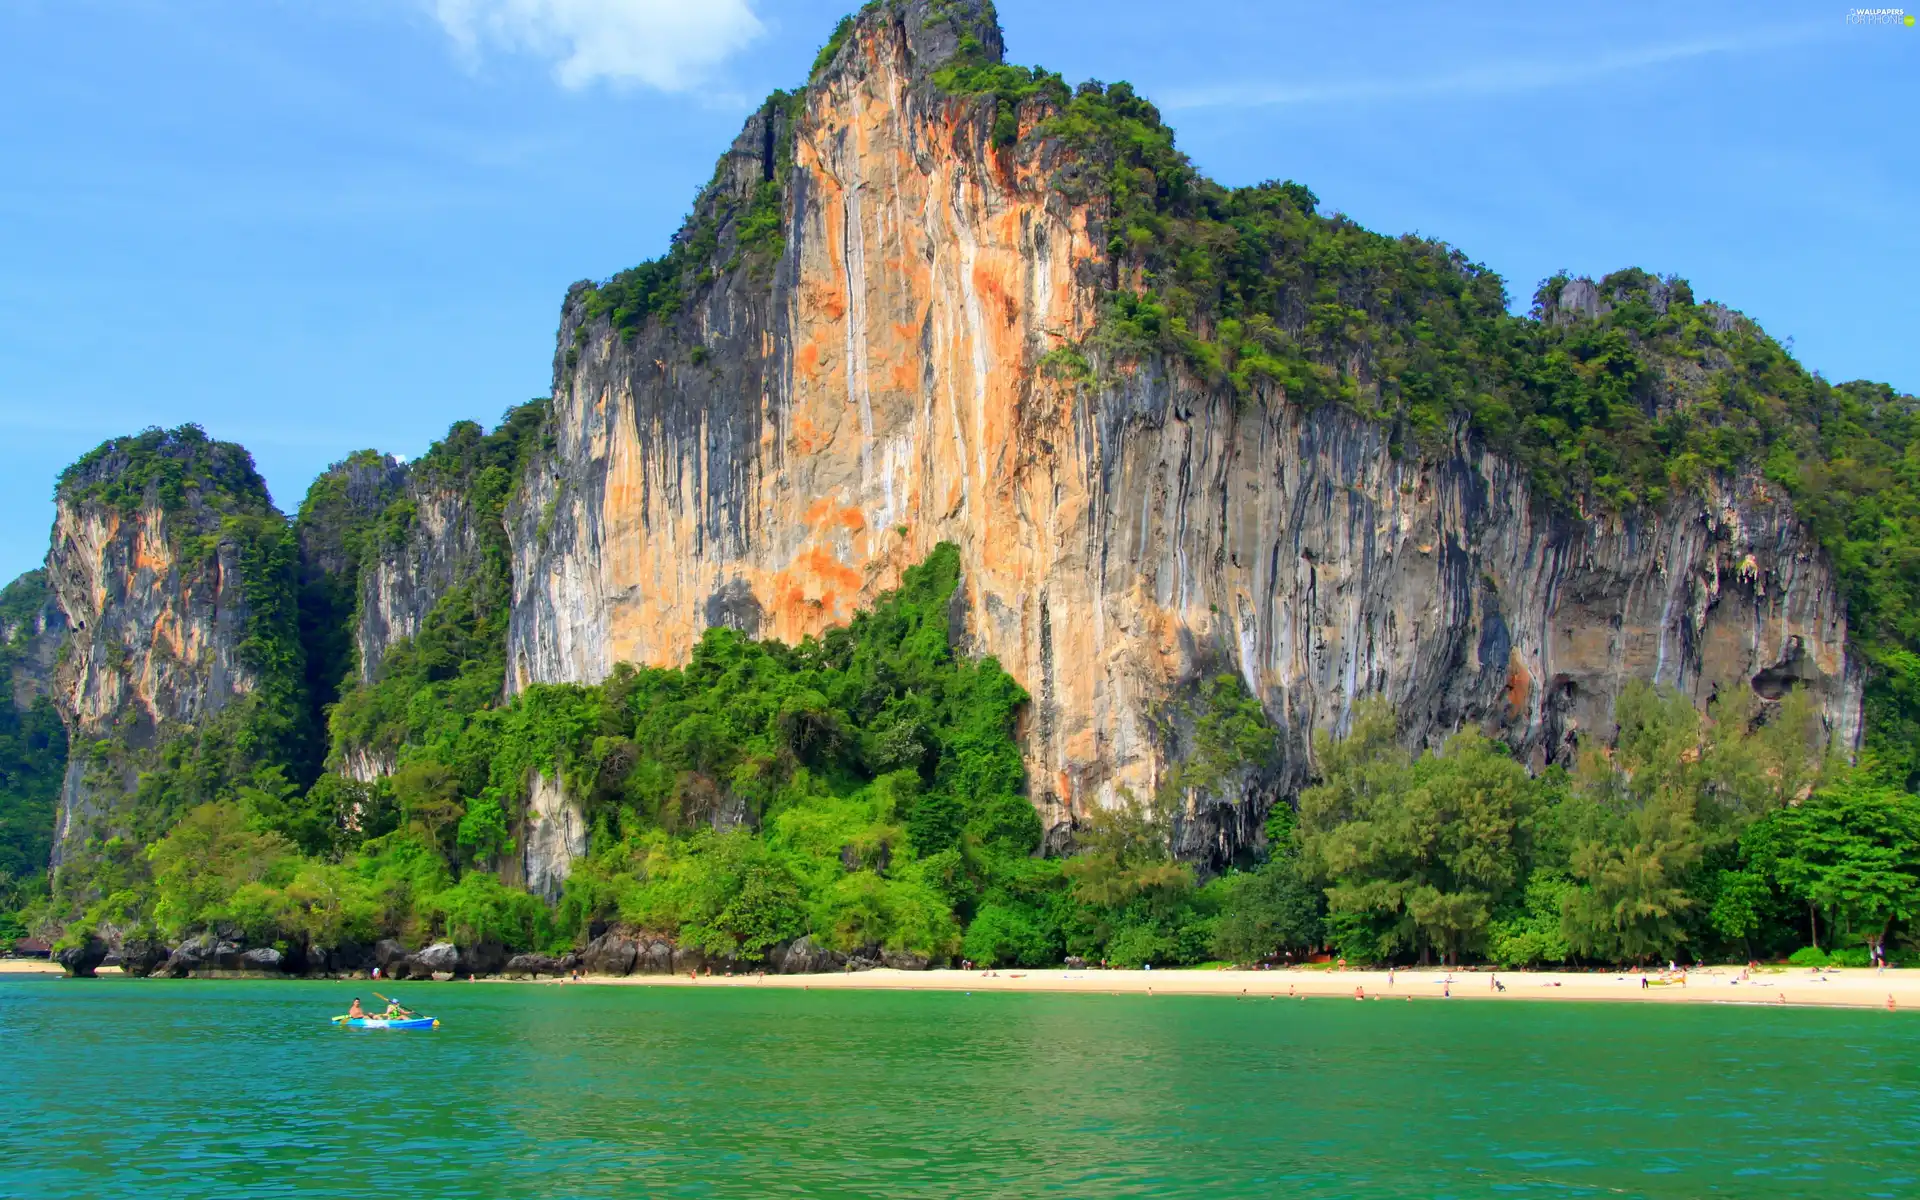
{"x": 1793, "y": 987}
{"x": 1787, "y": 986}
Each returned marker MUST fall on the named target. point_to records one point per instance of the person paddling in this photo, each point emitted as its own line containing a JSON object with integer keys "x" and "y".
{"x": 356, "y": 1013}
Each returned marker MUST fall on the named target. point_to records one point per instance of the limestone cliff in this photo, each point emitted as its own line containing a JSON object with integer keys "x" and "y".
{"x": 173, "y": 572}
{"x": 338, "y": 529}
{"x": 769, "y": 451}
{"x": 436, "y": 548}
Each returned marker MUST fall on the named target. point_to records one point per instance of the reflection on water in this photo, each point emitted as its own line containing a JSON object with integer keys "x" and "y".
{"x": 116, "y": 1087}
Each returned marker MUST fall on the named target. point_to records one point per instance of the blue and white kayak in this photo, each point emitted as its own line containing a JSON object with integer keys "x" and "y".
{"x": 384, "y": 1023}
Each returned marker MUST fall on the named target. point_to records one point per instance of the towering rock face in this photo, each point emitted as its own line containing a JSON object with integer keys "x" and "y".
{"x": 159, "y": 543}
{"x": 773, "y": 455}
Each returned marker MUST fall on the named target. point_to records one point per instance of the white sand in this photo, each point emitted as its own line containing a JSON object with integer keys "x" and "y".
{"x": 1864, "y": 988}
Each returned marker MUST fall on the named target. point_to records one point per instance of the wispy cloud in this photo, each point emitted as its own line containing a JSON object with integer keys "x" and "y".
{"x": 1485, "y": 79}
{"x": 671, "y": 45}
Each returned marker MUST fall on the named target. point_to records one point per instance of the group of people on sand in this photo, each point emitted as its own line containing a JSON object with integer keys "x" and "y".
{"x": 394, "y": 1012}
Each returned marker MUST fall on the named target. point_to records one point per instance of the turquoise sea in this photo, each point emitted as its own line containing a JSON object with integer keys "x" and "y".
{"x": 213, "y": 1089}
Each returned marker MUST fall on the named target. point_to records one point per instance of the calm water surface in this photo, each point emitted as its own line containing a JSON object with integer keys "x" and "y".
{"x": 199, "y": 1089}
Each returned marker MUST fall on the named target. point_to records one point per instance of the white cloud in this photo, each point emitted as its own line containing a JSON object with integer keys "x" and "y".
{"x": 665, "y": 44}
{"x": 1486, "y": 79}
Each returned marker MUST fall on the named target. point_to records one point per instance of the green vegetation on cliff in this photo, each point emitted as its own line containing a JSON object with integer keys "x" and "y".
{"x": 429, "y": 687}
{"x": 337, "y": 531}
{"x": 1620, "y": 394}
{"x": 172, "y": 469}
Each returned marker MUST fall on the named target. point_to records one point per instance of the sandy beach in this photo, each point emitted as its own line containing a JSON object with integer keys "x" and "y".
{"x": 1711, "y": 985}
{"x": 1854, "y": 988}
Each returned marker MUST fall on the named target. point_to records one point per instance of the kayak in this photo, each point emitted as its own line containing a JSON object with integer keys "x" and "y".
{"x": 384, "y": 1023}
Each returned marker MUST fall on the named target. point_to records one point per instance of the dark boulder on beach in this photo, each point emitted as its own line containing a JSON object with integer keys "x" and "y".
{"x": 388, "y": 954}
{"x": 142, "y": 956}
{"x": 206, "y": 952}
{"x": 536, "y": 965}
{"x": 264, "y": 959}
{"x": 439, "y": 958}
{"x": 481, "y": 958}
{"x": 655, "y": 958}
{"x": 80, "y": 962}
{"x": 808, "y": 957}
{"x": 342, "y": 959}
{"x": 610, "y": 954}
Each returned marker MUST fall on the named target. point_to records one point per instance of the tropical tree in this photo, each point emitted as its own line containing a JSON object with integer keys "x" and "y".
{"x": 1636, "y": 837}
{"x": 1415, "y": 854}
{"x": 1852, "y": 849}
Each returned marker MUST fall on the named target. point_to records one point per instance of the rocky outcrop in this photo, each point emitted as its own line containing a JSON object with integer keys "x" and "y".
{"x": 554, "y": 834}
{"x": 439, "y": 550}
{"x": 773, "y": 456}
{"x": 338, "y": 527}
{"x": 441, "y": 958}
{"x": 536, "y": 965}
{"x": 143, "y": 956}
{"x": 389, "y": 954}
{"x": 610, "y": 954}
{"x": 205, "y": 954}
{"x": 655, "y": 958}
{"x": 481, "y": 958}
{"x": 807, "y": 957}
{"x": 81, "y": 961}
{"x": 153, "y": 540}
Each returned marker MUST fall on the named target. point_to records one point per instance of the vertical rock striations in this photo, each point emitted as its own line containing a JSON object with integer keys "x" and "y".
{"x": 337, "y": 530}
{"x": 870, "y": 361}
{"x": 174, "y": 573}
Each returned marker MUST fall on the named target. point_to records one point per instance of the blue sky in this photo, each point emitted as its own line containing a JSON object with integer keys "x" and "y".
{"x": 313, "y": 226}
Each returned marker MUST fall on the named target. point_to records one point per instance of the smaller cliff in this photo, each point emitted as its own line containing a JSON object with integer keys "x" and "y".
{"x": 429, "y": 633}
{"x": 183, "y": 674}
{"x": 33, "y": 744}
{"x": 337, "y": 530}
{"x": 431, "y": 592}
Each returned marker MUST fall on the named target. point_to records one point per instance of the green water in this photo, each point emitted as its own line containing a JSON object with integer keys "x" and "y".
{"x": 198, "y": 1089}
